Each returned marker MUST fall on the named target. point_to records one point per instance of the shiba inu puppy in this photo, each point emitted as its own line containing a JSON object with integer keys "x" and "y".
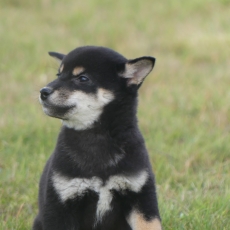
{"x": 99, "y": 176}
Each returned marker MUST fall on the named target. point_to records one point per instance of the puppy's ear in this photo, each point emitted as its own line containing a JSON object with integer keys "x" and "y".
{"x": 57, "y": 56}
{"x": 136, "y": 70}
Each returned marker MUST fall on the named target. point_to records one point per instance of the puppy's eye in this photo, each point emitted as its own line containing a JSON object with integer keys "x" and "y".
{"x": 83, "y": 78}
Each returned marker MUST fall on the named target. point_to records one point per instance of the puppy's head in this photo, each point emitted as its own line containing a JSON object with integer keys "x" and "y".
{"x": 88, "y": 79}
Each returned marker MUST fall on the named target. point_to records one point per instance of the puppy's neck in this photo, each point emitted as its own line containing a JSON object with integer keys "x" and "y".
{"x": 102, "y": 147}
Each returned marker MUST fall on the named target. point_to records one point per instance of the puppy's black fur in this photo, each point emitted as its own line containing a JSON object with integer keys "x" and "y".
{"x": 100, "y": 154}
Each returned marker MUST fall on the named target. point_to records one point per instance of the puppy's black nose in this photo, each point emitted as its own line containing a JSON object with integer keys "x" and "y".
{"x": 45, "y": 92}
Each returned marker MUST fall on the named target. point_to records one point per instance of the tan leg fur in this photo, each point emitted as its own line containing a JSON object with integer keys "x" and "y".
{"x": 137, "y": 222}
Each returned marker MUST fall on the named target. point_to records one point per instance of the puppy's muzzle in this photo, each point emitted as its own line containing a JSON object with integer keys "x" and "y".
{"x": 45, "y": 93}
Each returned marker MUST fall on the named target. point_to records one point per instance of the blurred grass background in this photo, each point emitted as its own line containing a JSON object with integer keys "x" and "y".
{"x": 184, "y": 105}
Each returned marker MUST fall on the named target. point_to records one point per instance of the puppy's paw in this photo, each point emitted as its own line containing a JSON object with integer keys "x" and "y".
{"x": 137, "y": 222}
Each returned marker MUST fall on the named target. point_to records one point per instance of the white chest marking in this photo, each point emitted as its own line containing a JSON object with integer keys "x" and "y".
{"x": 70, "y": 188}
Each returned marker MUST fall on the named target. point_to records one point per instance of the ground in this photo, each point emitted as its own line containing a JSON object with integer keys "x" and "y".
{"x": 184, "y": 105}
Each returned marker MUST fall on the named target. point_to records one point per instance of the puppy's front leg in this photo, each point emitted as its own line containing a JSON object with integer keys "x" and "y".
{"x": 137, "y": 221}
{"x": 144, "y": 214}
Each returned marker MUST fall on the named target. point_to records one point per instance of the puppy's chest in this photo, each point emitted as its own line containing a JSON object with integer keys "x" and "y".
{"x": 70, "y": 188}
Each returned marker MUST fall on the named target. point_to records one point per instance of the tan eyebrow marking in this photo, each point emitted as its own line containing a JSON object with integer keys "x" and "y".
{"x": 77, "y": 70}
{"x": 61, "y": 68}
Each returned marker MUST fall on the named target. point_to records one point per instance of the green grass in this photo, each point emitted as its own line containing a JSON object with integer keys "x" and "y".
{"x": 184, "y": 105}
